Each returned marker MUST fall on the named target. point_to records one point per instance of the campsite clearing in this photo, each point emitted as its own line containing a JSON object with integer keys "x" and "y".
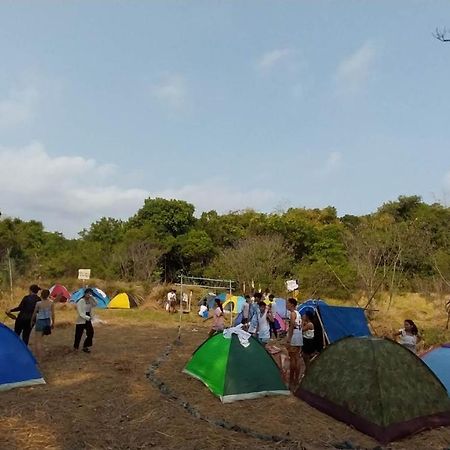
{"x": 105, "y": 401}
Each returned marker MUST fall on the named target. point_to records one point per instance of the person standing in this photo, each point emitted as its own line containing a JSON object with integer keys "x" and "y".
{"x": 85, "y": 308}
{"x": 272, "y": 324}
{"x": 309, "y": 340}
{"x": 44, "y": 313}
{"x": 294, "y": 343}
{"x": 23, "y": 324}
{"x": 218, "y": 319}
{"x": 254, "y": 313}
{"x": 263, "y": 330}
{"x": 172, "y": 301}
{"x": 246, "y": 313}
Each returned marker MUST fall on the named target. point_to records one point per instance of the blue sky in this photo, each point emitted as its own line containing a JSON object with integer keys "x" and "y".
{"x": 226, "y": 104}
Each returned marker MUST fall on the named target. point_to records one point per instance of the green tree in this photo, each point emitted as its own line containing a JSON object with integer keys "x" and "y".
{"x": 173, "y": 217}
{"x": 265, "y": 260}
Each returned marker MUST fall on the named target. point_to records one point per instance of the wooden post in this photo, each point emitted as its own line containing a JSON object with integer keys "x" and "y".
{"x": 10, "y": 275}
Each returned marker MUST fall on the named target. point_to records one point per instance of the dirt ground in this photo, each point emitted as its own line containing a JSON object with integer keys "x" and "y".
{"x": 104, "y": 400}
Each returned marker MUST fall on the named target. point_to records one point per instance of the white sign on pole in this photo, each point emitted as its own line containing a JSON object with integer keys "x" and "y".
{"x": 84, "y": 274}
{"x": 291, "y": 285}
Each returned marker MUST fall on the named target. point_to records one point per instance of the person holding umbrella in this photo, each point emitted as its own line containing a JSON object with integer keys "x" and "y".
{"x": 23, "y": 324}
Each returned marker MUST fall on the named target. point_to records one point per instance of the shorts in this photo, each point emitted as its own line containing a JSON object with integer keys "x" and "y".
{"x": 41, "y": 324}
{"x": 297, "y": 339}
{"x": 309, "y": 346}
{"x": 244, "y": 320}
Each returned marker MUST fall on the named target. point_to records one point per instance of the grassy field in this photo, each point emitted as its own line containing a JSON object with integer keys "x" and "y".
{"x": 104, "y": 400}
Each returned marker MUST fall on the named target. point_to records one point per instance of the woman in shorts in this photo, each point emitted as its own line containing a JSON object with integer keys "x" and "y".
{"x": 44, "y": 313}
{"x": 294, "y": 343}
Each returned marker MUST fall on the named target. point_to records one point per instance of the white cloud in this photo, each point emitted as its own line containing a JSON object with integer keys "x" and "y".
{"x": 275, "y": 57}
{"x": 68, "y": 193}
{"x": 171, "y": 91}
{"x": 216, "y": 194}
{"x": 354, "y": 71}
{"x": 18, "y": 107}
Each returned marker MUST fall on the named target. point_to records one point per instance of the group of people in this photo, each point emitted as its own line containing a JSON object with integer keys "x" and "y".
{"x": 38, "y": 312}
{"x": 304, "y": 336}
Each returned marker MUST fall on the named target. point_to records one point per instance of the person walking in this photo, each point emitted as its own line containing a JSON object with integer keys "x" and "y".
{"x": 44, "y": 313}
{"x": 85, "y": 308}
{"x": 23, "y": 324}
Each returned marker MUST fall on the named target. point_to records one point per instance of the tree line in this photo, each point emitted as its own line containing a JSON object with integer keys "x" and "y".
{"x": 403, "y": 246}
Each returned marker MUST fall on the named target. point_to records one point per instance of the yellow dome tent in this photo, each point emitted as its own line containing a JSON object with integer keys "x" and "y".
{"x": 123, "y": 301}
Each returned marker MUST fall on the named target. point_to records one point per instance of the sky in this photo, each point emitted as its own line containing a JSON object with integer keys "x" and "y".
{"x": 226, "y": 104}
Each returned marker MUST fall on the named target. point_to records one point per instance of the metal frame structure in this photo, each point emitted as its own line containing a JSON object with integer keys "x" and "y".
{"x": 206, "y": 283}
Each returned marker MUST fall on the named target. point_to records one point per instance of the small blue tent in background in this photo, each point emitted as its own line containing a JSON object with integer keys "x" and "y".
{"x": 210, "y": 300}
{"x": 102, "y": 299}
{"x": 17, "y": 365}
{"x": 338, "y": 321}
{"x": 280, "y": 307}
{"x": 438, "y": 360}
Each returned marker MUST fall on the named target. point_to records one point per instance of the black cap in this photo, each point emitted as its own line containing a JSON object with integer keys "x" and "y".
{"x": 34, "y": 288}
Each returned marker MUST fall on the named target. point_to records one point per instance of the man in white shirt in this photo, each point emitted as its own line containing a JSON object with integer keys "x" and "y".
{"x": 84, "y": 321}
{"x": 172, "y": 300}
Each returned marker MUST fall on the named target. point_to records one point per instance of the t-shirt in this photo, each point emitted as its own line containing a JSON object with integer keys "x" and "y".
{"x": 26, "y": 307}
{"x": 44, "y": 312}
{"x": 408, "y": 340}
{"x": 263, "y": 326}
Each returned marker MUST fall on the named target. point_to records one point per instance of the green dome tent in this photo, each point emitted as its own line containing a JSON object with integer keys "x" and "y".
{"x": 377, "y": 386}
{"x": 234, "y": 372}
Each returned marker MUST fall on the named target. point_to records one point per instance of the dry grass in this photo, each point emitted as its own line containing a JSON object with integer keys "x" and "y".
{"x": 104, "y": 400}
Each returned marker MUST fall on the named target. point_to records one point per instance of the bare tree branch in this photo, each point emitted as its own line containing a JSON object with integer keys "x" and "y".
{"x": 441, "y": 35}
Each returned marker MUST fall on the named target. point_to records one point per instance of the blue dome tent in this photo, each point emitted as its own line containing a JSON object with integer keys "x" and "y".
{"x": 438, "y": 360}
{"x": 338, "y": 321}
{"x": 281, "y": 307}
{"x": 17, "y": 365}
{"x": 102, "y": 299}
